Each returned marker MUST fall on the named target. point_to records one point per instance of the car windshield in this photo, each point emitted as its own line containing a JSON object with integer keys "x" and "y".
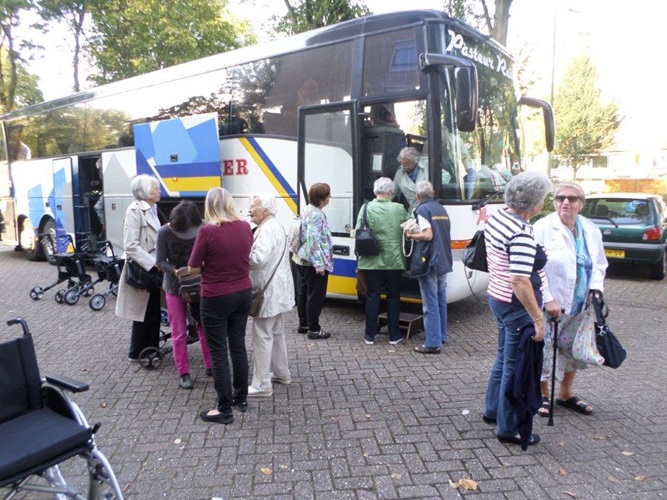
{"x": 622, "y": 211}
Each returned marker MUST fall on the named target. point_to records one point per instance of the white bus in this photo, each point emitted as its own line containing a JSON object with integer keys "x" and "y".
{"x": 334, "y": 105}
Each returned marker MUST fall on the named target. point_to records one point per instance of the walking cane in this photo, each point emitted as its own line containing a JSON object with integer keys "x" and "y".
{"x": 553, "y": 367}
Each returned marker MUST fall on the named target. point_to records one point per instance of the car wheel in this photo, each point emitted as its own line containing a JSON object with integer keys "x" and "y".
{"x": 659, "y": 268}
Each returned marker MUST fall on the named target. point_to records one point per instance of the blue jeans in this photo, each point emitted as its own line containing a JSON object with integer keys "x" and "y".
{"x": 433, "y": 288}
{"x": 510, "y": 319}
{"x": 391, "y": 279}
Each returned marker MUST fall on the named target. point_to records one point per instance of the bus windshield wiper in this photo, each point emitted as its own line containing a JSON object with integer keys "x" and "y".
{"x": 489, "y": 196}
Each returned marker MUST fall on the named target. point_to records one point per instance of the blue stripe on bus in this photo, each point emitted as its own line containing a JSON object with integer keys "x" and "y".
{"x": 345, "y": 267}
{"x": 204, "y": 169}
{"x": 274, "y": 170}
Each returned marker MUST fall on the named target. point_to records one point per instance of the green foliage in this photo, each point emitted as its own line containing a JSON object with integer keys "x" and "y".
{"x": 305, "y": 15}
{"x": 137, "y": 36}
{"x": 584, "y": 124}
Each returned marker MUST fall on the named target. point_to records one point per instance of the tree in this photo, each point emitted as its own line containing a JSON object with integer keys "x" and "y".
{"x": 73, "y": 13}
{"x": 478, "y": 14}
{"x": 584, "y": 124}
{"x": 305, "y": 15}
{"x": 137, "y": 36}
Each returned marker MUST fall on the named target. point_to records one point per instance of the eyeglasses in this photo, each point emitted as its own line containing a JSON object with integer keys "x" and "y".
{"x": 571, "y": 199}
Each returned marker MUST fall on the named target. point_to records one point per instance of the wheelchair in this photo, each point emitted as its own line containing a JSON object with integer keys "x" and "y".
{"x": 40, "y": 428}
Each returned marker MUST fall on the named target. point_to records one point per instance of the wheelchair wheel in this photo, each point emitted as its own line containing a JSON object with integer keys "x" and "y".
{"x": 97, "y": 302}
{"x": 36, "y": 293}
{"x": 60, "y": 296}
{"x": 164, "y": 337}
{"x": 72, "y": 296}
{"x": 150, "y": 358}
{"x": 90, "y": 291}
{"x": 164, "y": 317}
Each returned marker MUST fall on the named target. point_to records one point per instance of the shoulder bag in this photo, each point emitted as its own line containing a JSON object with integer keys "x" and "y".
{"x": 137, "y": 277}
{"x": 607, "y": 343}
{"x": 474, "y": 254}
{"x": 366, "y": 245}
{"x": 258, "y": 295}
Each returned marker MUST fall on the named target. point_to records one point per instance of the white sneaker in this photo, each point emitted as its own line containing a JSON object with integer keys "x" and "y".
{"x": 280, "y": 380}
{"x": 254, "y": 392}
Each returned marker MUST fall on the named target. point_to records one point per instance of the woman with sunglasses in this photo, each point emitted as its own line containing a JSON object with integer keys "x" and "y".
{"x": 575, "y": 269}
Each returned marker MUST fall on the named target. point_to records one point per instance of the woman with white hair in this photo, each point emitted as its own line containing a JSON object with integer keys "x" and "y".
{"x": 515, "y": 261}
{"x": 140, "y": 227}
{"x": 269, "y": 271}
{"x": 221, "y": 254}
{"x": 407, "y": 177}
{"x": 384, "y": 217}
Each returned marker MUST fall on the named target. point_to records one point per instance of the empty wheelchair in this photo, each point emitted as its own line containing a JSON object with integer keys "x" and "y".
{"x": 40, "y": 428}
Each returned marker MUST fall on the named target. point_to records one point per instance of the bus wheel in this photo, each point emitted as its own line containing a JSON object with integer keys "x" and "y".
{"x": 33, "y": 250}
{"x": 48, "y": 242}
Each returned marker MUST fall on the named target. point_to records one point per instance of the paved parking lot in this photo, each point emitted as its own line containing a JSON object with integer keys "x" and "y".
{"x": 358, "y": 421}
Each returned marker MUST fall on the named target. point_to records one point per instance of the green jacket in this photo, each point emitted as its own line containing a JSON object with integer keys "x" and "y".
{"x": 384, "y": 218}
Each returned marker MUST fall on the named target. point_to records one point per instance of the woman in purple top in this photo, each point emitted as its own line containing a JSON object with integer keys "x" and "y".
{"x": 222, "y": 254}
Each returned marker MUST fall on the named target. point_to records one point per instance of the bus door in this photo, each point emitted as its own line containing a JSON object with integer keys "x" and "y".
{"x": 61, "y": 207}
{"x": 88, "y": 213}
{"x": 327, "y": 153}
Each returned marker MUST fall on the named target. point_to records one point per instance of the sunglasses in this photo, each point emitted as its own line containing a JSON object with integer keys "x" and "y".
{"x": 571, "y": 199}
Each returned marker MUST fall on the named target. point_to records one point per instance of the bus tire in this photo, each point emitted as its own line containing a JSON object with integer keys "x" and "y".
{"x": 33, "y": 250}
{"x": 48, "y": 241}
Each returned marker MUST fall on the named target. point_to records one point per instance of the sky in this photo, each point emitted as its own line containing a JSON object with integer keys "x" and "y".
{"x": 623, "y": 42}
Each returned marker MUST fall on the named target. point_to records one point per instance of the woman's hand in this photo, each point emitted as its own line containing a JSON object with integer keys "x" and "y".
{"x": 320, "y": 271}
{"x": 553, "y": 309}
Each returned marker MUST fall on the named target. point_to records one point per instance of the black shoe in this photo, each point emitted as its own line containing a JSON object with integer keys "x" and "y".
{"x": 186, "y": 382}
{"x": 241, "y": 406}
{"x": 489, "y": 420}
{"x": 321, "y": 335}
{"x": 533, "y": 439}
{"x": 302, "y": 329}
{"x": 209, "y": 372}
{"x": 427, "y": 350}
{"x": 226, "y": 417}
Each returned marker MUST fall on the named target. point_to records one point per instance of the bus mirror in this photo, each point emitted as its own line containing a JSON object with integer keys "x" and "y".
{"x": 467, "y": 94}
{"x": 548, "y": 113}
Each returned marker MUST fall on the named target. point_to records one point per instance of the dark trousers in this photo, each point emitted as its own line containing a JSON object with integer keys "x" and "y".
{"x": 224, "y": 319}
{"x": 375, "y": 279}
{"x": 310, "y": 294}
{"x": 146, "y": 333}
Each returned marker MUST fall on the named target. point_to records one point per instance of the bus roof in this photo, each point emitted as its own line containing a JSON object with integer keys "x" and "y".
{"x": 323, "y": 36}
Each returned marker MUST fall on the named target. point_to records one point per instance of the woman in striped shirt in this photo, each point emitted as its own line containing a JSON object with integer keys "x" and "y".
{"x": 515, "y": 261}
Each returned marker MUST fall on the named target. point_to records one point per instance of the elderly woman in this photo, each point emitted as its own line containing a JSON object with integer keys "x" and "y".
{"x": 174, "y": 245}
{"x": 514, "y": 259}
{"x": 384, "y": 217}
{"x": 406, "y": 177}
{"x": 269, "y": 271}
{"x": 575, "y": 270}
{"x": 314, "y": 262}
{"x": 221, "y": 253}
{"x": 140, "y": 227}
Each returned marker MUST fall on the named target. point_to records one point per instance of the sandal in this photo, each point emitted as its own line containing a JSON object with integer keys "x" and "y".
{"x": 545, "y": 409}
{"x": 576, "y": 404}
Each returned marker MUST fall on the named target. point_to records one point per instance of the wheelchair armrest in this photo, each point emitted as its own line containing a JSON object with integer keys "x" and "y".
{"x": 66, "y": 383}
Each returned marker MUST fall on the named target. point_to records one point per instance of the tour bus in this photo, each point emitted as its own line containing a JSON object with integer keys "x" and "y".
{"x": 333, "y": 105}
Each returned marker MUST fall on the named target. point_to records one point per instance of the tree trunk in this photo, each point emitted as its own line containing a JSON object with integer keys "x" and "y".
{"x": 501, "y": 21}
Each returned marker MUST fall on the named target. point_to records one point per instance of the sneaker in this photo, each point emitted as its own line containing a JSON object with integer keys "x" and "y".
{"x": 427, "y": 350}
{"x": 214, "y": 416}
{"x": 321, "y": 335}
{"x": 240, "y": 405}
{"x": 396, "y": 341}
{"x": 186, "y": 382}
{"x": 254, "y": 392}
{"x": 133, "y": 360}
{"x": 281, "y": 380}
{"x": 369, "y": 340}
{"x": 302, "y": 329}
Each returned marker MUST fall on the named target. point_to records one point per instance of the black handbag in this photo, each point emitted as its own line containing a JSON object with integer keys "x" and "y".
{"x": 609, "y": 346}
{"x": 474, "y": 254}
{"x": 366, "y": 245}
{"x": 137, "y": 277}
{"x": 420, "y": 260}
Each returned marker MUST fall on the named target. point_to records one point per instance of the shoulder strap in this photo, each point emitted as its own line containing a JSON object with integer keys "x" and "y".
{"x": 277, "y": 265}
{"x": 364, "y": 220}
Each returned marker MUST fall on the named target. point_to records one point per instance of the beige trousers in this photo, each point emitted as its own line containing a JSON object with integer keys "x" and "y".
{"x": 269, "y": 351}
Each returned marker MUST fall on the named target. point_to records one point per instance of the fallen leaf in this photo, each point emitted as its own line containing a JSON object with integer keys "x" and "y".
{"x": 283, "y": 467}
{"x": 562, "y": 472}
{"x": 368, "y": 415}
{"x": 177, "y": 441}
{"x": 366, "y": 455}
{"x": 640, "y": 478}
{"x": 561, "y": 443}
{"x": 601, "y": 438}
{"x": 628, "y": 453}
{"x": 613, "y": 479}
{"x": 468, "y": 484}
{"x": 335, "y": 419}
{"x": 266, "y": 471}
{"x": 453, "y": 484}
{"x": 103, "y": 405}
{"x": 465, "y": 412}
{"x": 396, "y": 476}
{"x": 570, "y": 494}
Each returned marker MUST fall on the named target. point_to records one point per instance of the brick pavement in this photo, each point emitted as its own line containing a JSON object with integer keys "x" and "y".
{"x": 358, "y": 421}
